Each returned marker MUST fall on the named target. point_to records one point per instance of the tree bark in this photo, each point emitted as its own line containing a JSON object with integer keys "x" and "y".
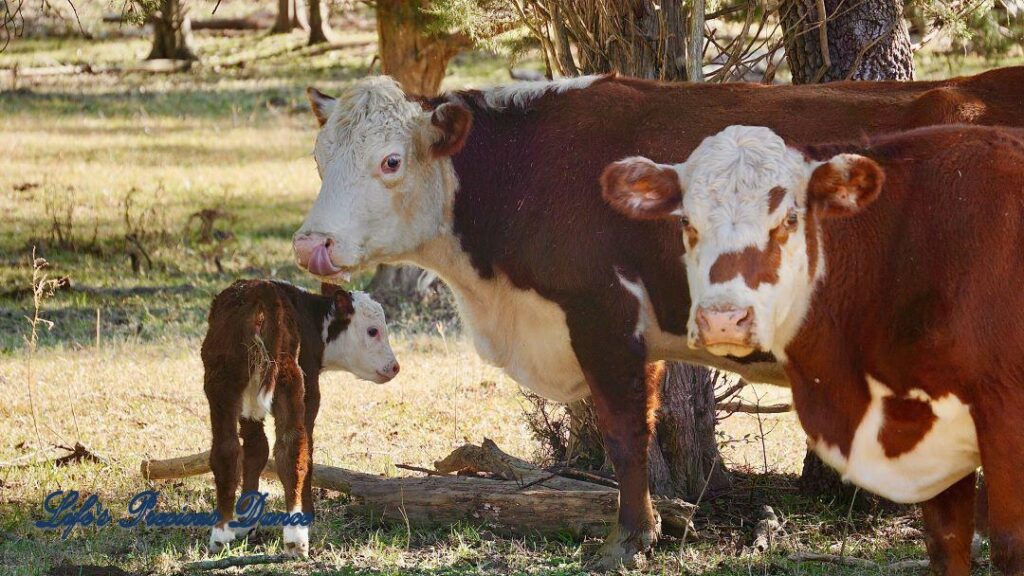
{"x": 172, "y": 32}
{"x": 291, "y": 15}
{"x": 867, "y": 40}
{"x": 686, "y": 431}
{"x": 319, "y": 22}
{"x": 409, "y": 53}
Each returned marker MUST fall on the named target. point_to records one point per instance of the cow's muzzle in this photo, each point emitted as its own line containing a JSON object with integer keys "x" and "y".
{"x": 726, "y": 330}
{"x": 313, "y": 253}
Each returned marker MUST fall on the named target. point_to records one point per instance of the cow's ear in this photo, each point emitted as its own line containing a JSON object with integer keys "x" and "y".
{"x": 845, "y": 185}
{"x": 641, "y": 189}
{"x": 451, "y": 123}
{"x": 321, "y": 103}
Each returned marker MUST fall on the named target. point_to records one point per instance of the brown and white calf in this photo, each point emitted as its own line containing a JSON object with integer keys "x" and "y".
{"x": 497, "y": 192}
{"x": 887, "y": 278}
{"x": 265, "y": 347}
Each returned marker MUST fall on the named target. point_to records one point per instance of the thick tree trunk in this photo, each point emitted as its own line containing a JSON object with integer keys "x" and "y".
{"x": 686, "y": 431}
{"x": 408, "y": 53}
{"x": 172, "y": 32}
{"x": 291, "y": 15}
{"x": 319, "y": 22}
{"x": 867, "y": 40}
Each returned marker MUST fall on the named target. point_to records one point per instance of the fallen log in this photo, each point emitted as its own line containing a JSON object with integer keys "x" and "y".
{"x": 532, "y": 502}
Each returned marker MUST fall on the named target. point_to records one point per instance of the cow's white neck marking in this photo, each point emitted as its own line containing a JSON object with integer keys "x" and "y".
{"x": 947, "y": 453}
{"x": 522, "y": 94}
{"x": 517, "y": 330}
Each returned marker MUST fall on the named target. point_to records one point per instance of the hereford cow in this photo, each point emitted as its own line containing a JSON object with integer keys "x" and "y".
{"x": 497, "y": 192}
{"x": 896, "y": 309}
{"x": 264, "y": 349}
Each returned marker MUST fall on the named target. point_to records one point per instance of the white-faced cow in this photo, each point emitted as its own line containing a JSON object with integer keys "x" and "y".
{"x": 497, "y": 192}
{"x": 265, "y": 347}
{"x": 887, "y": 278}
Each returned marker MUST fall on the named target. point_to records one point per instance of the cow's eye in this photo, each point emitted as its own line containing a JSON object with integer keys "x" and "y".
{"x": 685, "y": 221}
{"x": 372, "y": 332}
{"x": 391, "y": 164}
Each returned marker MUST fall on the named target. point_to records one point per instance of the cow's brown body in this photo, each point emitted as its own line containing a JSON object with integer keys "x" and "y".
{"x": 527, "y": 210}
{"x": 529, "y": 205}
{"x": 923, "y": 293}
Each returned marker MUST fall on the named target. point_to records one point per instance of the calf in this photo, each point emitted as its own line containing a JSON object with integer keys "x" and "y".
{"x": 887, "y": 279}
{"x": 264, "y": 349}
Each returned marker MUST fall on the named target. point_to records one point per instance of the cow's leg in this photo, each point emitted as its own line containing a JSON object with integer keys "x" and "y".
{"x": 291, "y": 450}
{"x": 255, "y": 452}
{"x": 613, "y": 358}
{"x": 1001, "y": 441}
{"x": 225, "y": 462}
{"x": 949, "y": 528}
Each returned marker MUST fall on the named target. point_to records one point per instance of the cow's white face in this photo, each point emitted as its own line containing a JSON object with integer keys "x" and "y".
{"x": 749, "y": 209}
{"x": 386, "y": 176}
{"x": 356, "y": 339}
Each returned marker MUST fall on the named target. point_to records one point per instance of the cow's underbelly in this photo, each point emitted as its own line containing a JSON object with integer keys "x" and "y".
{"x": 944, "y": 452}
{"x": 523, "y": 334}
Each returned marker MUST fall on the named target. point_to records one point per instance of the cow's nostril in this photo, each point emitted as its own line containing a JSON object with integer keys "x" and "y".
{"x": 395, "y": 368}
{"x": 747, "y": 319}
{"x": 328, "y": 242}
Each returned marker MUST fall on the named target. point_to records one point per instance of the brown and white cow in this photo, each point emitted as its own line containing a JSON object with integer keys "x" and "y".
{"x": 265, "y": 347}
{"x": 887, "y": 278}
{"x": 497, "y": 192}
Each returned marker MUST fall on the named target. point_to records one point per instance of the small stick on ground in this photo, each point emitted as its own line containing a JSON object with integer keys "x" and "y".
{"x": 237, "y": 561}
{"x": 833, "y": 559}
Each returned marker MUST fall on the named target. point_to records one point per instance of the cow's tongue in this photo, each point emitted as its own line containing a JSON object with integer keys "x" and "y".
{"x": 320, "y": 262}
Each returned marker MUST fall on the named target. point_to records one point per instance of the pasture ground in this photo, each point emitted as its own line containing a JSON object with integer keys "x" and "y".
{"x": 89, "y": 159}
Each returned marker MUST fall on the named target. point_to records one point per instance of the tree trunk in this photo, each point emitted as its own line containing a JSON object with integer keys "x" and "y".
{"x": 408, "y": 53}
{"x": 172, "y": 32}
{"x": 291, "y": 15}
{"x": 319, "y": 22}
{"x": 867, "y": 40}
{"x": 686, "y": 431}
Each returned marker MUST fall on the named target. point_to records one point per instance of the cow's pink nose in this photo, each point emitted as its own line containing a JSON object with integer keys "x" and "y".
{"x": 725, "y": 325}
{"x": 313, "y": 252}
{"x": 393, "y": 369}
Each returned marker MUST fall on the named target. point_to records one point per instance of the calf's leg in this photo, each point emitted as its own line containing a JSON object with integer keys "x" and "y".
{"x": 291, "y": 450}
{"x": 613, "y": 358}
{"x": 949, "y": 528}
{"x": 225, "y": 462}
{"x": 312, "y": 402}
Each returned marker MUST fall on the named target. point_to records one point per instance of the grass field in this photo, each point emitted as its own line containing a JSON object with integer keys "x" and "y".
{"x": 92, "y": 160}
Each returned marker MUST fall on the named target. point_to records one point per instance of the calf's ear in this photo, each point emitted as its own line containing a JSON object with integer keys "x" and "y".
{"x": 321, "y": 103}
{"x": 343, "y": 303}
{"x": 845, "y": 185}
{"x": 641, "y": 189}
{"x": 451, "y": 124}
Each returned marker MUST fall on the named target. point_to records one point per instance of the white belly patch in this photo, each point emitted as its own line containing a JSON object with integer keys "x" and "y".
{"x": 947, "y": 452}
{"x": 524, "y": 334}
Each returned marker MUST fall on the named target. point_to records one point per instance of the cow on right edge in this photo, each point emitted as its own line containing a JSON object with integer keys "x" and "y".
{"x": 887, "y": 277}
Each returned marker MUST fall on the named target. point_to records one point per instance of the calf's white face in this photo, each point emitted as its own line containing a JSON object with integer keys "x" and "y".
{"x": 749, "y": 208}
{"x": 386, "y": 177}
{"x": 360, "y": 345}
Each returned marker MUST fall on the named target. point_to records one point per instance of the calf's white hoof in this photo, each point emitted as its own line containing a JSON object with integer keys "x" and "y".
{"x": 221, "y": 536}
{"x": 296, "y": 541}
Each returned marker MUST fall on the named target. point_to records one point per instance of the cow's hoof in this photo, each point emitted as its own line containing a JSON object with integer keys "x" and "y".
{"x": 625, "y": 550}
{"x": 296, "y": 541}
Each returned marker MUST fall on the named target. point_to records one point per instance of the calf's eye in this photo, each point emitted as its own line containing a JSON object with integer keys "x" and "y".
{"x": 391, "y": 164}
{"x": 792, "y": 219}
{"x": 372, "y": 332}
